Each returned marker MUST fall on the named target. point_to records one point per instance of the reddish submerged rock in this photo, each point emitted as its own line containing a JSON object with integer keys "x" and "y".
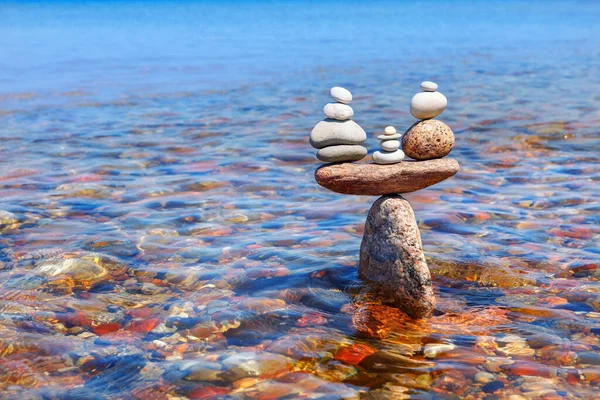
{"x": 376, "y": 180}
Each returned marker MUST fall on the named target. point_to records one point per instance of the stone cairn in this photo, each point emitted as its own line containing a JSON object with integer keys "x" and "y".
{"x": 337, "y": 137}
{"x": 391, "y": 253}
{"x": 390, "y": 146}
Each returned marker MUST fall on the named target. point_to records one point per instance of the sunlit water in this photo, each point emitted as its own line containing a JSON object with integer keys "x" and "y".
{"x": 162, "y": 234}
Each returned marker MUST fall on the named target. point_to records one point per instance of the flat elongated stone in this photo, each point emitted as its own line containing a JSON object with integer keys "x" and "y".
{"x": 376, "y": 180}
{"x": 391, "y": 255}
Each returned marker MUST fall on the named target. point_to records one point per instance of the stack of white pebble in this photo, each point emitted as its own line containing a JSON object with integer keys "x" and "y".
{"x": 390, "y": 146}
{"x": 338, "y": 138}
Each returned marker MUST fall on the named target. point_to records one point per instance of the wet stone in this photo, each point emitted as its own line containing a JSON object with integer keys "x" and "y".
{"x": 588, "y": 357}
{"x": 484, "y": 377}
{"x": 382, "y": 361}
{"x": 432, "y": 350}
{"x": 251, "y": 364}
{"x": 496, "y": 364}
{"x": 201, "y": 371}
{"x": 391, "y": 255}
{"x": 491, "y": 387}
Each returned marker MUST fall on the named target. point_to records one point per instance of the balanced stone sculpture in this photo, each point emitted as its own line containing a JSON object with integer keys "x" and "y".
{"x": 391, "y": 253}
{"x": 338, "y": 138}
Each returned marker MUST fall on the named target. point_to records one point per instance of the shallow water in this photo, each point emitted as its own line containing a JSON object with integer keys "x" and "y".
{"x": 162, "y": 234}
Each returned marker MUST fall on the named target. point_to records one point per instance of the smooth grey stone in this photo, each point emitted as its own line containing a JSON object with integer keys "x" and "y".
{"x": 341, "y": 95}
{"x": 338, "y": 111}
{"x": 389, "y": 130}
{"x": 330, "y": 132}
{"x": 342, "y": 153}
{"x": 390, "y": 145}
{"x": 384, "y": 157}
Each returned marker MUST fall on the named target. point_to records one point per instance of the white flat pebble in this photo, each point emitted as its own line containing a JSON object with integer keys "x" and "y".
{"x": 390, "y": 145}
{"x": 431, "y": 350}
{"x": 338, "y": 111}
{"x": 389, "y": 137}
{"x": 426, "y": 105}
{"x": 429, "y": 86}
{"x": 382, "y": 157}
{"x": 389, "y": 130}
{"x": 341, "y": 95}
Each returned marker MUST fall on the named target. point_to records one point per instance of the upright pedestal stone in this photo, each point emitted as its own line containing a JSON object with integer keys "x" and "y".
{"x": 391, "y": 255}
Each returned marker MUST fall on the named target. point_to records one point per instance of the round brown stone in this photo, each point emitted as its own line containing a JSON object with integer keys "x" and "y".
{"x": 427, "y": 140}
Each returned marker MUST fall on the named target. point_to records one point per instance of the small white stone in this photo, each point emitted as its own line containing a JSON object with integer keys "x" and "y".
{"x": 338, "y": 111}
{"x": 390, "y": 130}
{"x": 389, "y": 137}
{"x": 426, "y": 105}
{"x": 382, "y": 157}
{"x": 431, "y": 350}
{"x": 341, "y": 95}
{"x": 390, "y": 145}
{"x": 429, "y": 86}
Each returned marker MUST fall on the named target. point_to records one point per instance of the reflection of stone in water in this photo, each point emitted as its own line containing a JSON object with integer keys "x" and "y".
{"x": 373, "y": 319}
{"x": 484, "y": 275}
